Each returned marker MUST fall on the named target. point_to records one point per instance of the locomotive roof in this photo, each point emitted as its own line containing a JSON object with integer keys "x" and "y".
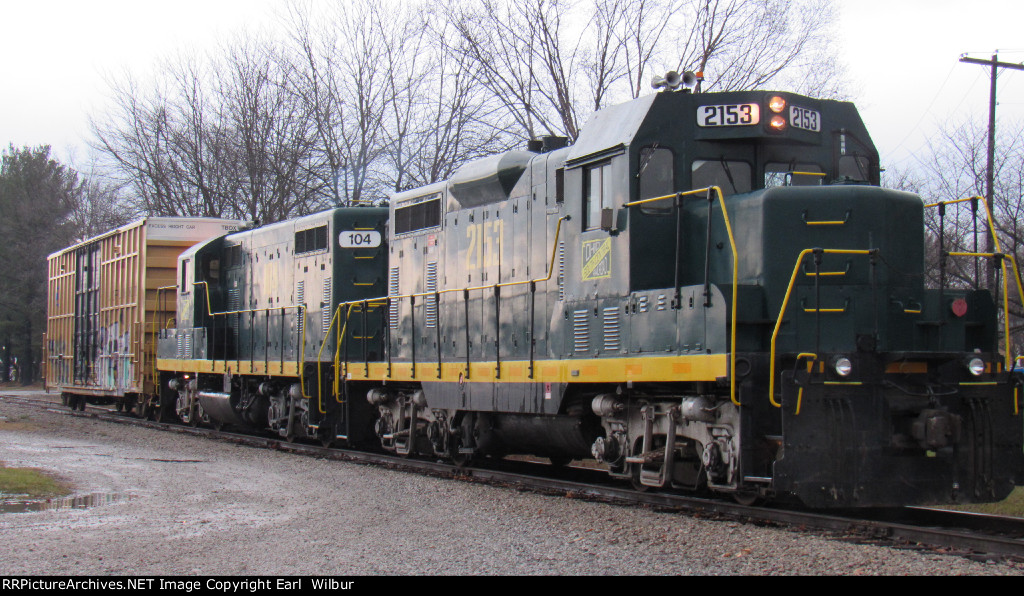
{"x": 610, "y": 129}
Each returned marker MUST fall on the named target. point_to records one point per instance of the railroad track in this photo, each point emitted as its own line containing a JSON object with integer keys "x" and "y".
{"x": 971, "y": 535}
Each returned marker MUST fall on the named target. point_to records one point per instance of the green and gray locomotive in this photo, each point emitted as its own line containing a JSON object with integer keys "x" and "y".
{"x": 254, "y": 332}
{"x": 704, "y": 291}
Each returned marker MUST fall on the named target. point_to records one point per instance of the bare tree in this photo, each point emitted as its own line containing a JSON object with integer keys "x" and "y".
{"x": 272, "y": 134}
{"x": 540, "y": 57}
{"x": 953, "y": 168}
{"x": 344, "y": 89}
{"x": 361, "y": 100}
{"x": 749, "y": 44}
{"x": 134, "y": 135}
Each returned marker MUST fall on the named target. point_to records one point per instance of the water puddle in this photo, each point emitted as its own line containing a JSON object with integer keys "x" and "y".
{"x": 11, "y": 504}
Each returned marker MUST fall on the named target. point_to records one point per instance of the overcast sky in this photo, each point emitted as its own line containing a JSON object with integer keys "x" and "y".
{"x": 901, "y": 55}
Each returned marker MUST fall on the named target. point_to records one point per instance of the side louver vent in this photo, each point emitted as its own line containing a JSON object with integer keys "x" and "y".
{"x": 612, "y": 336}
{"x": 325, "y": 310}
{"x": 580, "y": 330}
{"x": 431, "y": 304}
{"x": 561, "y": 270}
{"x": 393, "y": 287}
{"x": 300, "y": 298}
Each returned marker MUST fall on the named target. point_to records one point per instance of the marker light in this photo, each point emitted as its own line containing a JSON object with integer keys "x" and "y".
{"x": 976, "y": 366}
{"x": 843, "y": 366}
{"x": 777, "y": 104}
{"x": 778, "y": 123}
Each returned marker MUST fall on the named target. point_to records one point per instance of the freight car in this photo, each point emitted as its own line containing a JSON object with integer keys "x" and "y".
{"x": 103, "y": 310}
{"x": 704, "y": 291}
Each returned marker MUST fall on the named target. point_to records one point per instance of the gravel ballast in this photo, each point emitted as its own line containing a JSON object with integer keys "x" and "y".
{"x": 194, "y": 506}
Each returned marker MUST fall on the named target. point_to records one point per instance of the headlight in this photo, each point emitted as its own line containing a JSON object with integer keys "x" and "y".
{"x": 777, "y": 104}
{"x": 976, "y": 366}
{"x": 842, "y": 366}
{"x": 778, "y": 123}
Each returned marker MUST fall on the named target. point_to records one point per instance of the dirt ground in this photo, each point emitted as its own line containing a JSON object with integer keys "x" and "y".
{"x": 165, "y": 503}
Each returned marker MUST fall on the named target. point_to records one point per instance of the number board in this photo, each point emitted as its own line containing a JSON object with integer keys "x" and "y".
{"x": 359, "y": 239}
{"x": 744, "y": 114}
{"x": 804, "y": 119}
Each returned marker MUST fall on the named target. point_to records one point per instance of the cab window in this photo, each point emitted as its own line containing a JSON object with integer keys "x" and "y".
{"x": 854, "y": 160}
{"x": 792, "y": 174}
{"x": 597, "y": 185}
{"x": 854, "y": 167}
{"x": 733, "y": 177}
{"x": 656, "y": 175}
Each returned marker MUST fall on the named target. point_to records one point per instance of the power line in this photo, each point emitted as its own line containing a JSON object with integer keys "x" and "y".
{"x": 926, "y": 110}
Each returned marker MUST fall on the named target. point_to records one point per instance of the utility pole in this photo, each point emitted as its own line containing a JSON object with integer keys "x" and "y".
{"x": 990, "y": 170}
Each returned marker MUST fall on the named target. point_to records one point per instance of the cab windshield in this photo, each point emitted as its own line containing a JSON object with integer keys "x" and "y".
{"x": 733, "y": 177}
{"x": 793, "y": 174}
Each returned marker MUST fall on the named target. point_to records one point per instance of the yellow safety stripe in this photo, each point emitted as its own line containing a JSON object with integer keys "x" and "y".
{"x": 664, "y": 369}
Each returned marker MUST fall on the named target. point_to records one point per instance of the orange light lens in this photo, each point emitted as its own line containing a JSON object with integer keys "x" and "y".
{"x": 777, "y": 104}
{"x": 778, "y": 123}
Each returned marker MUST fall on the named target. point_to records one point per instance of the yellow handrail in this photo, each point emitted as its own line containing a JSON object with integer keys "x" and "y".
{"x": 735, "y": 273}
{"x": 299, "y": 307}
{"x": 785, "y": 303}
{"x": 1008, "y": 359}
{"x": 810, "y": 364}
{"x": 999, "y": 250}
{"x": 383, "y": 301}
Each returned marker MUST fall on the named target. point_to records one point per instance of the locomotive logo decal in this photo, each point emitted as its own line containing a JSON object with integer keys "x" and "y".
{"x": 597, "y": 261}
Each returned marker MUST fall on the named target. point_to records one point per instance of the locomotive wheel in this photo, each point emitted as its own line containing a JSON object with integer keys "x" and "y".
{"x": 119, "y": 406}
{"x": 747, "y": 498}
{"x": 326, "y": 441}
{"x": 560, "y": 461}
{"x": 634, "y": 479}
{"x": 195, "y": 415}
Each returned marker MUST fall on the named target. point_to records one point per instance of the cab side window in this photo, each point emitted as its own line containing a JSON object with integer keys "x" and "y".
{"x": 597, "y": 193}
